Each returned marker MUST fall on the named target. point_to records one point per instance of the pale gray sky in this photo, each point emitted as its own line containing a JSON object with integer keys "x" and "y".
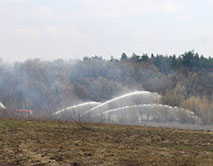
{"x": 70, "y": 29}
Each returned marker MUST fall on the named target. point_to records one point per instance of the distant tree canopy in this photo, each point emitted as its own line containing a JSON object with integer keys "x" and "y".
{"x": 46, "y": 86}
{"x": 189, "y": 60}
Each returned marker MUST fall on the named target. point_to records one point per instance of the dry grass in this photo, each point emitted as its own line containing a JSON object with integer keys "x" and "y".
{"x": 50, "y": 143}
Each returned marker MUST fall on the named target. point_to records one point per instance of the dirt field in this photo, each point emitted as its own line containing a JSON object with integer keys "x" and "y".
{"x": 50, "y": 143}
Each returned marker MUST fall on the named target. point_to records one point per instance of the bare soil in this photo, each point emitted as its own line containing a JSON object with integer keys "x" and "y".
{"x": 52, "y": 143}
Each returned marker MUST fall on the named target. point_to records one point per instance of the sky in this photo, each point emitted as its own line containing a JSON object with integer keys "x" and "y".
{"x": 73, "y": 29}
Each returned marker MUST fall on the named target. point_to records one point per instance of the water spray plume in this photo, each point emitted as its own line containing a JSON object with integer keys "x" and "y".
{"x": 133, "y": 98}
{"x": 136, "y": 114}
{"x": 131, "y": 108}
{"x": 2, "y": 106}
{"x": 74, "y": 111}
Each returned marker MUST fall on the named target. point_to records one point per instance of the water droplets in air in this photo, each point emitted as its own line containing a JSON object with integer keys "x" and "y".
{"x": 131, "y": 108}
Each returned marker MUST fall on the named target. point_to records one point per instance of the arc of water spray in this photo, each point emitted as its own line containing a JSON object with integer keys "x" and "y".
{"x": 117, "y": 98}
{"x": 74, "y": 107}
{"x": 142, "y": 105}
{"x": 2, "y": 106}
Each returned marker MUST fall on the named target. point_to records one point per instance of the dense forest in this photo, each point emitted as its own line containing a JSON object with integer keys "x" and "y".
{"x": 46, "y": 86}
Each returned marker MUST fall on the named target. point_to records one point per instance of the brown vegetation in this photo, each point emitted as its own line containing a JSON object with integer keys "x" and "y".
{"x": 48, "y": 86}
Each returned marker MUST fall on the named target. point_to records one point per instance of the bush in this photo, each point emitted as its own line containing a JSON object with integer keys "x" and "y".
{"x": 174, "y": 97}
{"x": 201, "y": 106}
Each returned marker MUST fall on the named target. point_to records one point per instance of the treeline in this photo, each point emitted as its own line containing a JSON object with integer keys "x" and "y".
{"x": 190, "y": 61}
{"x": 46, "y": 86}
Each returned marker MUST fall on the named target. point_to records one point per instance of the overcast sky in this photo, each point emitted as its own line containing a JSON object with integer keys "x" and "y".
{"x": 70, "y": 29}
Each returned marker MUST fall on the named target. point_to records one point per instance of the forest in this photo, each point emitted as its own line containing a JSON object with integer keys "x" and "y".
{"x": 184, "y": 81}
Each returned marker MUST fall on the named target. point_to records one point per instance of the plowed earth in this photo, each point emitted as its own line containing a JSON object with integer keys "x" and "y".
{"x": 51, "y": 143}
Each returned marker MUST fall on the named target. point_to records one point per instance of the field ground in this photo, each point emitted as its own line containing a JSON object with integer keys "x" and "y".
{"x": 41, "y": 143}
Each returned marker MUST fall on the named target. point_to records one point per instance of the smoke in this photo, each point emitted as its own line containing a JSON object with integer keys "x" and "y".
{"x": 48, "y": 86}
